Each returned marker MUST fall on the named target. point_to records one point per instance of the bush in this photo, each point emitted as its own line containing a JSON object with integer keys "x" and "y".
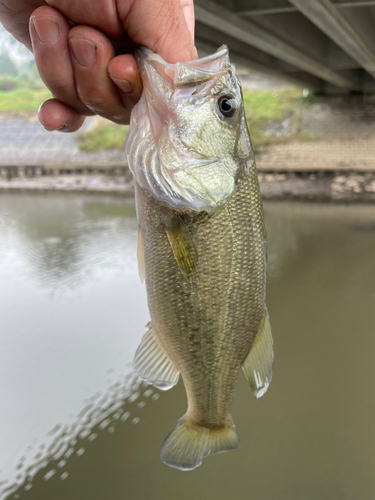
{"x": 266, "y": 110}
{"x": 21, "y": 100}
{"x": 106, "y": 136}
{"x": 8, "y": 82}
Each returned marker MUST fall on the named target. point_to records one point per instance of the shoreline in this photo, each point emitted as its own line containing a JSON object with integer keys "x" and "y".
{"x": 325, "y": 186}
{"x": 321, "y": 186}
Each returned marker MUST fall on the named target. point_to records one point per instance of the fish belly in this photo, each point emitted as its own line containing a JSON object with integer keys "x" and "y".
{"x": 207, "y": 321}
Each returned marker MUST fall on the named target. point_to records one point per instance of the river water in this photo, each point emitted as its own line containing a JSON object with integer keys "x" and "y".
{"x": 76, "y": 424}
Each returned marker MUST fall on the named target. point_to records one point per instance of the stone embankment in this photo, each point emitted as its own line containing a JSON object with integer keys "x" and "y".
{"x": 348, "y": 186}
{"x": 329, "y": 186}
{"x": 27, "y": 145}
{"x": 337, "y": 162}
{"x": 72, "y": 182}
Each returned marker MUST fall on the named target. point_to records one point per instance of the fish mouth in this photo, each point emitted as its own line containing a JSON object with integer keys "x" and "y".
{"x": 190, "y": 73}
{"x": 171, "y": 170}
{"x": 147, "y": 53}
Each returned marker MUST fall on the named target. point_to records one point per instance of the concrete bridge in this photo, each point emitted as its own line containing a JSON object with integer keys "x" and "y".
{"x": 325, "y": 45}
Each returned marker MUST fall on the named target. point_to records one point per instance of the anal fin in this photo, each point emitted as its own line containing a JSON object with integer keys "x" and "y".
{"x": 258, "y": 363}
{"x": 152, "y": 364}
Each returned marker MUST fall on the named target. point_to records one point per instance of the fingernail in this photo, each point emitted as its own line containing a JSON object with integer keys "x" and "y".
{"x": 83, "y": 51}
{"x": 63, "y": 128}
{"x": 46, "y": 29}
{"x": 124, "y": 85}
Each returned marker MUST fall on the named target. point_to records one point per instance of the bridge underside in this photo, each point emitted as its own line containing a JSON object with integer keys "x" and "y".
{"x": 325, "y": 45}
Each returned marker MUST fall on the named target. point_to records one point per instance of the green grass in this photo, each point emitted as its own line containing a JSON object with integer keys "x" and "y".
{"x": 270, "y": 104}
{"x": 266, "y": 108}
{"x": 263, "y": 110}
{"x": 22, "y": 100}
{"x": 106, "y": 136}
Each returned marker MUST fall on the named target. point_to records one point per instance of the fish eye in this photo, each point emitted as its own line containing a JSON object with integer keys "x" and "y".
{"x": 227, "y": 105}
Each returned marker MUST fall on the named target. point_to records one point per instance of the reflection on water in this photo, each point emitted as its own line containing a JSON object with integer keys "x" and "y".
{"x": 68, "y": 281}
{"x": 62, "y": 240}
{"x": 75, "y": 423}
{"x": 102, "y": 414}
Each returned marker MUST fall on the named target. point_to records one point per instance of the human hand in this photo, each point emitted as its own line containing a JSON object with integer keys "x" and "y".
{"x": 80, "y": 66}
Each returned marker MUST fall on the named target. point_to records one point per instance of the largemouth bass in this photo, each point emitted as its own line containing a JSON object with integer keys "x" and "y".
{"x": 202, "y": 247}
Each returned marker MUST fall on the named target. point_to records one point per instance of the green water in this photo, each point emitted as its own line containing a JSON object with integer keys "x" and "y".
{"x": 74, "y": 422}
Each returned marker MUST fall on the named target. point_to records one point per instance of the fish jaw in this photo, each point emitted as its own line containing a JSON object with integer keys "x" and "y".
{"x": 180, "y": 147}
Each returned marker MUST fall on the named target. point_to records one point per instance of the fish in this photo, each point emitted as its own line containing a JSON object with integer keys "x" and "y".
{"x": 202, "y": 247}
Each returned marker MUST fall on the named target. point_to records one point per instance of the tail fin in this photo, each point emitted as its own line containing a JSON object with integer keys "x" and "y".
{"x": 186, "y": 445}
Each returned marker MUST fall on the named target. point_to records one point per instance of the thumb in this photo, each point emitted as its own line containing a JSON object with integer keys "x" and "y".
{"x": 188, "y": 11}
{"x": 164, "y": 26}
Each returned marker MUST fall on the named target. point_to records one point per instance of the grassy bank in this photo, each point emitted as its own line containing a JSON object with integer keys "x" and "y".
{"x": 272, "y": 117}
{"x": 22, "y": 99}
{"x": 104, "y": 136}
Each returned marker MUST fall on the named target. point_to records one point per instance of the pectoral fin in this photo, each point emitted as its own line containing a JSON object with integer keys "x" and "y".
{"x": 258, "y": 363}
{"x": 141, "y": 256}
{"x": 182, "y": 246}
{"x": 152, "y": 364}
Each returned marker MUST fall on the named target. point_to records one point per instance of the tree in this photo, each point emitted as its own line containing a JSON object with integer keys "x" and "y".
{"x": 7, "y": 66}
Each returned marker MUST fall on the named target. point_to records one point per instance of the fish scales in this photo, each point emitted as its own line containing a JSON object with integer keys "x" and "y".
{"x": 204, "y": 245}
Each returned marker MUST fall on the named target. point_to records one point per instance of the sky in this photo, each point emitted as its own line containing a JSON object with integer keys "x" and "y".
{"x": 16, "y": 51}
